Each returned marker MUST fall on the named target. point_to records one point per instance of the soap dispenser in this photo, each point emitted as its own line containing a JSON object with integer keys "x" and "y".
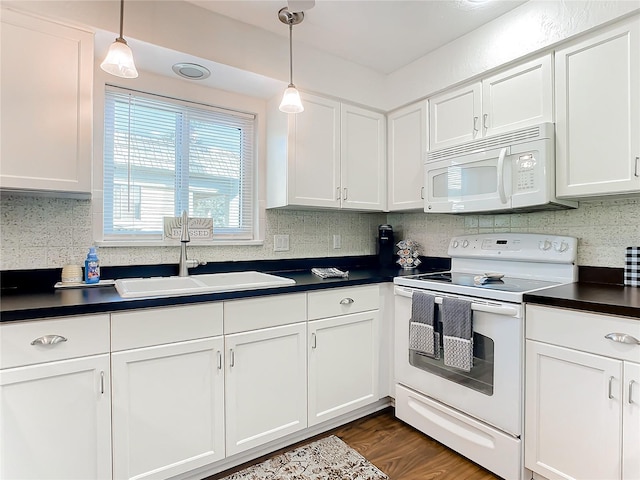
{"x": 92, "y": 267}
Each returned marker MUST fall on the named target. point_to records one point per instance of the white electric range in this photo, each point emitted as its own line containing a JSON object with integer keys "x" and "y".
{"x": 479, "y": 413}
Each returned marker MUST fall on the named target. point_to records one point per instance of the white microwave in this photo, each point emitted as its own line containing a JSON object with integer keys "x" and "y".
{"x": 513, "y": 171}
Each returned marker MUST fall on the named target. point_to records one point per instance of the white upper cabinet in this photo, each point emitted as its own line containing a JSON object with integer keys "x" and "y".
{"x": 47, "y": 112}
{"x": 514, "y": 98}
{"x": 407, "y": 140}
{"x": 454, "y": 116}
{"x": 518, "y": 97}
{"x": 304, "y": 155}
{"x": 362, "y": 155}
{"x": 598, "y": 113}
{"x": 331, "y": 155}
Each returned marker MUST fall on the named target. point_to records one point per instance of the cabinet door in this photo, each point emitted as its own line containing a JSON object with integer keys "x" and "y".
{"x": 363, "y": 159}
{"x": 631, "y": 422}
{"x": 407, "y": 137}
{"x": 55, "y": 420}
{"x": 314, "y": 156}
{"x": 598, "y": 113}
{"x": 518, "y": 97}
{"x": 454, "y": 116}
{"x": 266, "y": 394}
{"x": 343, "y": 365}
{"x": 168, "y": 411}
{"x": 47, "y": 127}
{"x": 573, "y": 413}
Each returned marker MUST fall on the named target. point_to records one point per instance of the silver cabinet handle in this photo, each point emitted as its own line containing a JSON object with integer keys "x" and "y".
{"x": 313, "y": 340}
{"x": 484, "y": 121}
{"x": 49, "y": 340}
{"x": 344, "y": 197}
{"x": 232, "y": 358}
{"x": 422, "y": 193}
{"x": 631, "y": 382}
{"x": 347, "y": 301}
{"x": 219, "y": 360}
{"x": 102, "y": 383}
{"x": 475, "y": 124}
{"x": 622, "y": 338}
{"x": 337, "y": 193}
{"x": 636, "y": 172}
{"x": 610, "y": 387}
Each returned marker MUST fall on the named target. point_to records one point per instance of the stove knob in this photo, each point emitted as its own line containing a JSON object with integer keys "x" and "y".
{"x": 544, "y": 245}
{"x": 561, "y": 247}
{"x": 455, "y": 244}
{"x": 465, "y": 243}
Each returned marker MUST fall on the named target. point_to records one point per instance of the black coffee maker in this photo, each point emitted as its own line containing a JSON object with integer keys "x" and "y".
{"x": 385, "y": 245}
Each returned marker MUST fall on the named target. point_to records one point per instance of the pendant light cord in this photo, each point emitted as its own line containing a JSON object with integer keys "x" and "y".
{"x": 290, "y": 51}
{"x": 121, "y": 18}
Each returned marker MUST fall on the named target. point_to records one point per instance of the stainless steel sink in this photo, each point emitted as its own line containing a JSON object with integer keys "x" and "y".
{"x": 198, "y": 284}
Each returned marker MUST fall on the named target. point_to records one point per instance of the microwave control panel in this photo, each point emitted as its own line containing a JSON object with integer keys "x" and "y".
{"x": 525, "y": 175}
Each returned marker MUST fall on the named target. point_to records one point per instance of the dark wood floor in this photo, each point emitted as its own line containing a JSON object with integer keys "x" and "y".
{"x": 399, "y": 450}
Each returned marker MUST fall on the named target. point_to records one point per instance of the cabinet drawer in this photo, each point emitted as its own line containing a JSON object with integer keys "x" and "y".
{"x": 56, "y": 339}
{"x": 582, "y": 331}
{"x": 340, "y": 301}
{"x": 264, "y": 312}
{"x": 157, "y": 326}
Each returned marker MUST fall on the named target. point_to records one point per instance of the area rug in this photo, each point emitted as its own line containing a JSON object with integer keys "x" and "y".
{"x": 326, "y": 459}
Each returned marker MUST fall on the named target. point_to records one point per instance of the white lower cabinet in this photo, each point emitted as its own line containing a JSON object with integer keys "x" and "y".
{"x": 343, "y": 364}
{"x": 55, "y": 416}
{"x": 266, "y": 393}
{"x": 168, "y": 408}
{"x": 582, "y": 413}
{"x": 343, "y": 350}
{"x": 631, "y": 416}
{"x": 168, "y": 390}
{"x": 155, "y": 393}
{"x": 574, "y": 430}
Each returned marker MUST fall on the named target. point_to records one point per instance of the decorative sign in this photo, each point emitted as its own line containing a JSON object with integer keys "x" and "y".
{"x": 199, "y": 228}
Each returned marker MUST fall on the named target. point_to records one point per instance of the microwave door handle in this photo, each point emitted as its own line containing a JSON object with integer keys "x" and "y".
{"x": 501, "y": 191}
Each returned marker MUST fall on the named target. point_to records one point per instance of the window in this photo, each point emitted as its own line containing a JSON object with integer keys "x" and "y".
{"x": 163, "y": 156}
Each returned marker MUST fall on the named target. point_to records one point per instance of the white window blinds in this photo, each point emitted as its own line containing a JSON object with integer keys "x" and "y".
{"x": 163, "y": 156}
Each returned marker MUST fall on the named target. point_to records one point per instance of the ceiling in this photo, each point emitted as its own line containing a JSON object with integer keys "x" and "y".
{"x": 383, "y": 35}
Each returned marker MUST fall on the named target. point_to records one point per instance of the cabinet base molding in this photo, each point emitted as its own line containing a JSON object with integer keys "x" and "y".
{"x": 292, "y": 439}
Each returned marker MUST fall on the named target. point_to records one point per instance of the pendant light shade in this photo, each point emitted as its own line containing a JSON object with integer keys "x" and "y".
{"x": 291, "y": 102}
{"x": 119, "y": 59}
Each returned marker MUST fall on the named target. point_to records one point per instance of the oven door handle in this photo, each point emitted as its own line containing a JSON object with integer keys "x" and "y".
{"x": 478, "y": 307}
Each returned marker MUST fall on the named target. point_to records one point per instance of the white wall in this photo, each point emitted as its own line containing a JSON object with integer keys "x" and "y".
{"x": 528, "y": 29}
{"x": 187, "y": 28}
{"x": 182, "y": 26}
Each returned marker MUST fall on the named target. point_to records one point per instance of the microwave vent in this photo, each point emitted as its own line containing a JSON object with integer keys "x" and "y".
{"x": 544, "y": 130}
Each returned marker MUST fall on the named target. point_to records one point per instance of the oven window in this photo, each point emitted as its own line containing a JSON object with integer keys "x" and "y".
{"x": 480, "y": 378}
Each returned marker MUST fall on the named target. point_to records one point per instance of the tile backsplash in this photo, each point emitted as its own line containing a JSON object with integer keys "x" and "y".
{"x": 37, "y": 232}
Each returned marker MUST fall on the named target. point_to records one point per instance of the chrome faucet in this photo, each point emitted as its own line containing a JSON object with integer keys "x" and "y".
{"x": 185, "y": 263}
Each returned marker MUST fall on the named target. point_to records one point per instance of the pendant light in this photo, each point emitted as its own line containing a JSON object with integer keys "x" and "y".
{"x": 291, "y": 102}
{"x": 119, "y": 59}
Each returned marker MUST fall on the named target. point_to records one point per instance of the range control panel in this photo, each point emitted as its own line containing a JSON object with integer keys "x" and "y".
{"x": 515, "y": 246}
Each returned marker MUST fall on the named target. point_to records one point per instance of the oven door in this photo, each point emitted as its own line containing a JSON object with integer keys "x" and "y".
{"x": 471, "y": 183}
{"x": 492, "y": 390}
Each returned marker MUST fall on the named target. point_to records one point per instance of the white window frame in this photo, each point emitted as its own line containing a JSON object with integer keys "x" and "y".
{"x": 249, "y": 236}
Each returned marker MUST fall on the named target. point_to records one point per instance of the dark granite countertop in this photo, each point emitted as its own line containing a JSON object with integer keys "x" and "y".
{"x": 22, "y": 298}
{"x": 32, "y": 303}
{"x": 591, "y": 297}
